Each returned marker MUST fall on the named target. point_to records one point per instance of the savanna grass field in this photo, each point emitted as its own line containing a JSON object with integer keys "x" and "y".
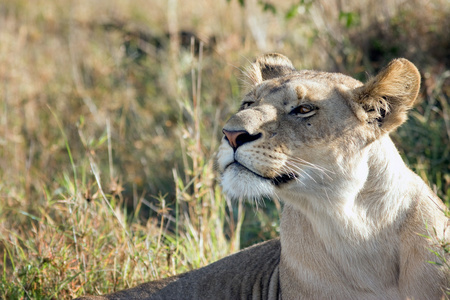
{"x": 111, "y": 112}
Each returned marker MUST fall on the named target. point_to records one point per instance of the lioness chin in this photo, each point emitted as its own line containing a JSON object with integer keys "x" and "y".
{"x": 357, "y": 223}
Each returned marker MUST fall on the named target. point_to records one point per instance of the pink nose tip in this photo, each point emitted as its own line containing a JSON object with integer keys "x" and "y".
{"x": 232, "y": 137}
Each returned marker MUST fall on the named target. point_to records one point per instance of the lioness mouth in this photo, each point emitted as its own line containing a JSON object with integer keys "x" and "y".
{"x": 283, "y": 179}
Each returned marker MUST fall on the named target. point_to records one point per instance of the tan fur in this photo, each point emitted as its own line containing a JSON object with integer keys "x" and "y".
{"x": 355, "y": 217}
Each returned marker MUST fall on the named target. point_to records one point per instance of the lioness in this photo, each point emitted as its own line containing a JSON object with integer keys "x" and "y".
{"x": 356, "y": 219}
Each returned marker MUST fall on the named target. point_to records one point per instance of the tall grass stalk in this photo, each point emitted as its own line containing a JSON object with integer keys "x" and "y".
{"x": 199, "y": 203}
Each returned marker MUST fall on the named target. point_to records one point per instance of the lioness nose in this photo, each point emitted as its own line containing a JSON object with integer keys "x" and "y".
{"x": 238, "y": 138}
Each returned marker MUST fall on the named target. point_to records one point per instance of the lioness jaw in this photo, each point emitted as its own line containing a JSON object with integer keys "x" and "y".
{"x": 357, "y": 223}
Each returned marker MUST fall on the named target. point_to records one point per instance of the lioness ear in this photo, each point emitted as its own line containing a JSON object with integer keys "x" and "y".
{"x": 269, "y": 66}
{"x": 387, "y": 97}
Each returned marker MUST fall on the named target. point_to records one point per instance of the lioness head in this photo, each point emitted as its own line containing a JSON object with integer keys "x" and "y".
{"x": 299, "y": 130}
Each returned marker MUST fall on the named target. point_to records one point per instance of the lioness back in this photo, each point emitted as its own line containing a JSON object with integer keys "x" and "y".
{"x": 249, "y": 274}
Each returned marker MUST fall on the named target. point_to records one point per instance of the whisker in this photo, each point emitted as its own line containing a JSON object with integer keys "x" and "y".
{"x": 298, "y": 173}
{"x": 303, "y": 172}
{"x": 300, "y": 160}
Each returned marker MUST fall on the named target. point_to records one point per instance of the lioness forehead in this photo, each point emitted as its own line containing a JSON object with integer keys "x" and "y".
{"x": 314, "y": 85}
{"x": 312, "y": 79}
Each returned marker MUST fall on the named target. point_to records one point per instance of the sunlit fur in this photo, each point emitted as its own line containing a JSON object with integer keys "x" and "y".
{"x": 354, "y": 210}
{"x": 355, "y": 220}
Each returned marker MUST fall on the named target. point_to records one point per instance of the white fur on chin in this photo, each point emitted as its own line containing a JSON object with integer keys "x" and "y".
{"x": 237, "y": 182}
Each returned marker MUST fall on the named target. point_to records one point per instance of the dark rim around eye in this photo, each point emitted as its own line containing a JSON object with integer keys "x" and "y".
{"x": 298, "y": 110}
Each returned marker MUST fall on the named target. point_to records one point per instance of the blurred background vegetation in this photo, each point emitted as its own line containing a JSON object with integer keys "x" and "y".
{"x": 111, "y": 111}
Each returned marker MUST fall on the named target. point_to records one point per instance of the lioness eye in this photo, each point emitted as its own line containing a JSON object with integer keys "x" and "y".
{"x": 304, "y": 110}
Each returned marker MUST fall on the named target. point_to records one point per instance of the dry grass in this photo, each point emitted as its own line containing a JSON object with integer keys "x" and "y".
{"x": 110, "y": 118}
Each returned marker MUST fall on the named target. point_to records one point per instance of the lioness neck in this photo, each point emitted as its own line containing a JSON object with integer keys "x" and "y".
{"x": 353, "y": 240}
